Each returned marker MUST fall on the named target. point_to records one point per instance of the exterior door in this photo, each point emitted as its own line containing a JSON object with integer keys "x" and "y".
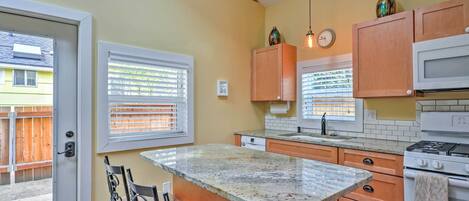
{"x": 64, "y": 37}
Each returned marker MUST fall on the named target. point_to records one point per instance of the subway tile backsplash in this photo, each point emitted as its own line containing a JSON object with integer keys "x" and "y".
{"x": 380, "y": 129}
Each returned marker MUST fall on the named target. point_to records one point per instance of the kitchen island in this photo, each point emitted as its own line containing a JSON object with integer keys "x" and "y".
{"x": 226, "y": 172}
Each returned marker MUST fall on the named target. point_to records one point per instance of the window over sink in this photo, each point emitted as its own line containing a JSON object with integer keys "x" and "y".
{"x": 145, "y": 98}
{"x": 325, "y": 86}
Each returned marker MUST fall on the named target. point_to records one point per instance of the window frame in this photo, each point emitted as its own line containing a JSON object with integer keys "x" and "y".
{"x": 2, "y": 76}
{"x": 105, "y": 144}
{"x": 25, "y": 74}
{"x": 326, "y": 64}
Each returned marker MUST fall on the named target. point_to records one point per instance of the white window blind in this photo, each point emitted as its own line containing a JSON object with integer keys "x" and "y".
{"x": 328, "y": 92}
{"x": 326, "y": 86}
{"x": 147, "y": 98}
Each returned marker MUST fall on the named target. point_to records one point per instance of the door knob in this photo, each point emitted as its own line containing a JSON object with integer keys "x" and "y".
{"x": 69, "y": 134}
{"x": 69, "y": 149}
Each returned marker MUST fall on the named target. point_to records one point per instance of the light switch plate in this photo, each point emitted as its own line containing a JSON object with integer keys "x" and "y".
{"x": 222, "y": 87}
{"x": 370, "y": 115}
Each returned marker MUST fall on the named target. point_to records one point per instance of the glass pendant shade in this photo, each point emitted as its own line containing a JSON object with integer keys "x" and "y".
{"x": 310, "y": 40}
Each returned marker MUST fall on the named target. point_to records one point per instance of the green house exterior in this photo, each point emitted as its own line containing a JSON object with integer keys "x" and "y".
{"x": 11, "y": 95}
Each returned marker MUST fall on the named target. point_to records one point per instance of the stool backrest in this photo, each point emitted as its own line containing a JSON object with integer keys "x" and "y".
{"x": 141, "y": 192}
{"x": 113, "y": 181}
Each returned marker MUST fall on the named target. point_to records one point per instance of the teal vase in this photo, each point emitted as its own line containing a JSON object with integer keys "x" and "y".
{"x": 274, "y": 37}
{"x": 385, "y": 8}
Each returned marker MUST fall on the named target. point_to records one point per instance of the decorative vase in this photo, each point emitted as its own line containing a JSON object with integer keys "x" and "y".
{"x": 385, "y": 8}
{"x": 274, "y": 37}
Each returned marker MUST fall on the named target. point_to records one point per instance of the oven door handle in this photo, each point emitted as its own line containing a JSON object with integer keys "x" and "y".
{"x": 451, "y": 181}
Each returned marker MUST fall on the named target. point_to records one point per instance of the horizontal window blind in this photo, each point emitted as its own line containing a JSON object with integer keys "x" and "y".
{"x": 328, "y": 92}
{"x": 146, "y": 97}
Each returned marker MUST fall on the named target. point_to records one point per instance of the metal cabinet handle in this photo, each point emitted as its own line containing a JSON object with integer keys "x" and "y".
{"x": 467, "y": 30}
{"x": 368, "y": 188}
{"x": 368, "y": 161}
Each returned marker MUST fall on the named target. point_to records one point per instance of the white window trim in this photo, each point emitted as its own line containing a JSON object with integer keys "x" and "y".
{"x": 322, "y": 64}
{"x": 104, "y": 144}
{"x": 25, "y": 78}
{"x": 2, "y": 76}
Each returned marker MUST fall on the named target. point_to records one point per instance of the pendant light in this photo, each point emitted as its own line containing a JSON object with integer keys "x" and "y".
{"x": 310, "y": 39}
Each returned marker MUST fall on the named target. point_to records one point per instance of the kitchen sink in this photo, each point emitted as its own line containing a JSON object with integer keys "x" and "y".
{"x": 313, "y": 137}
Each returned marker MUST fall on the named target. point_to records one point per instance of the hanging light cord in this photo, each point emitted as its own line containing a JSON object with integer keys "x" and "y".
{"x": 309, "y": 14}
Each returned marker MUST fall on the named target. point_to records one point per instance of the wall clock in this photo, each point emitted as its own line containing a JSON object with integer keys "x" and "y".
{"x": 326, "y": 38}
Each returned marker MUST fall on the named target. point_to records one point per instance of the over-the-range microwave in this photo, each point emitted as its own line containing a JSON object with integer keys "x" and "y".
{"x": 442, "y": 64}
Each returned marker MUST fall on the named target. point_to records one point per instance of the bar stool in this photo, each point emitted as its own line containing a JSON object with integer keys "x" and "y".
{"x": 113, "y": 181}
{"x": 143, "y": 192}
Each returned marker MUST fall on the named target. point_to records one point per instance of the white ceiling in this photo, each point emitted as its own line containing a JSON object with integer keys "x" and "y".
{"x": 268, "y": 3}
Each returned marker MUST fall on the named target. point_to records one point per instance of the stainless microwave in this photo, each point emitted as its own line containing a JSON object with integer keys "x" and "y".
{"x": 441, "y": 64}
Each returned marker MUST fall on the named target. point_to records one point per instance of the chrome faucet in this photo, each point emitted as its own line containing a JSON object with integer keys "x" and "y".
{"x": 323, "y": 124}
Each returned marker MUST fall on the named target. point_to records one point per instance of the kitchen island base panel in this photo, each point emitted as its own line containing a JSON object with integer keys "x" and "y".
{"x": 187, "y": 191}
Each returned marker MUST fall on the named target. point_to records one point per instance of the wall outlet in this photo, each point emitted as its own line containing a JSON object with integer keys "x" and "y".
{"x": 370, "y": 115}
{"x": 167, "y": 187}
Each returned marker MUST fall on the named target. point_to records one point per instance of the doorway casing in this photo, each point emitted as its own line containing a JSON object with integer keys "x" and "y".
{"x": 83, "y": 21}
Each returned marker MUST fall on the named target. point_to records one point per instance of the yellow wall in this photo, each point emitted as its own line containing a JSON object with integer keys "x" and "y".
{"x": 218, "y": 33}
{"x": 291, "y": 18}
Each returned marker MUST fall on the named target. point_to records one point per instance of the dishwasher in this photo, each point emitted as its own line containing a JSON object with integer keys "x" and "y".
{"x": 253, "y": 143}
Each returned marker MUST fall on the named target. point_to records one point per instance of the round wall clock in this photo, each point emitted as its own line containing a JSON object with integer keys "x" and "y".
{"x": 326, "y": 38}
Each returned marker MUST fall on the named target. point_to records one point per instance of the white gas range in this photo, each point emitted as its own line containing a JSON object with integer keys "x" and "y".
{"x": 444, "y": 150}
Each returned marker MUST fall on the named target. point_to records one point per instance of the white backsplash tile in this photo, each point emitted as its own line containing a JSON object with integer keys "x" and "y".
{"x": 379, "y": 129}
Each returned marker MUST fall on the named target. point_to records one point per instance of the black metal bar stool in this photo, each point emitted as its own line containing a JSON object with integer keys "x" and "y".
{"x": 113, "y": 181}
{"x": 143, "y": 192}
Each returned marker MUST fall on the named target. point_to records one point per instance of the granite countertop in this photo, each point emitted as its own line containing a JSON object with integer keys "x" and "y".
{"x": 365, "y": 144}
{"x": 239, "y": 174}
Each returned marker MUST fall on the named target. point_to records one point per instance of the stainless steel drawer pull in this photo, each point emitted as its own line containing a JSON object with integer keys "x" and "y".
{"x": 368, "y": 161}
{"x": 368, "y": 188}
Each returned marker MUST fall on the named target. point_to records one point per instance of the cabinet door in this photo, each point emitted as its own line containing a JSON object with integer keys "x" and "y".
{"x": 382, "y": 56}
{"x": 381, "y": 188}
{"x": 237, "y": 140}
{"x": 267, "y": 74}
{"x": 441, "y": 20}
{"x": 302, "y": 150}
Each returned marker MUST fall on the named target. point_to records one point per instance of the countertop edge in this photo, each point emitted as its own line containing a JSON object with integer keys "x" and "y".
{"x": 327, "y": 143}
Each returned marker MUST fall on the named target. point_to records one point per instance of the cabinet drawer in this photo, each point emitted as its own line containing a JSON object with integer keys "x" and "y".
{"x": 345, "y": 199}
{"x": 372, "y": 161}
{"x": 302, "y": 150}
{"x": 382, "y": 187}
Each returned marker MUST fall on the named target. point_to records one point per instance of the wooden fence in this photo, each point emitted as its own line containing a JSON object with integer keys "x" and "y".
{"x": 28, "y": 155}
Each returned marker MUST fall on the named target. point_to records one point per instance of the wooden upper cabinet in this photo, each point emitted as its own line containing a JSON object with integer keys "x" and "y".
{"x": 441, "y": 20}
{"x": 273, "y": 73}
{"x": 382, "y": 56}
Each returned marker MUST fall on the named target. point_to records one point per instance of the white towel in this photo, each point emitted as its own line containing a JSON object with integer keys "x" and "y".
{"x": 431, "y": 187}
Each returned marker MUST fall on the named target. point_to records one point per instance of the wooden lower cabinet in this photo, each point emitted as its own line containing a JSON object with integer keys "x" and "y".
{"x": 345, "y": 199}
{"x": 381, "y": 188}
{"x": 238, "y": 140}
{"x": 303, "y": 150}
{"x": 186, "y": 191}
